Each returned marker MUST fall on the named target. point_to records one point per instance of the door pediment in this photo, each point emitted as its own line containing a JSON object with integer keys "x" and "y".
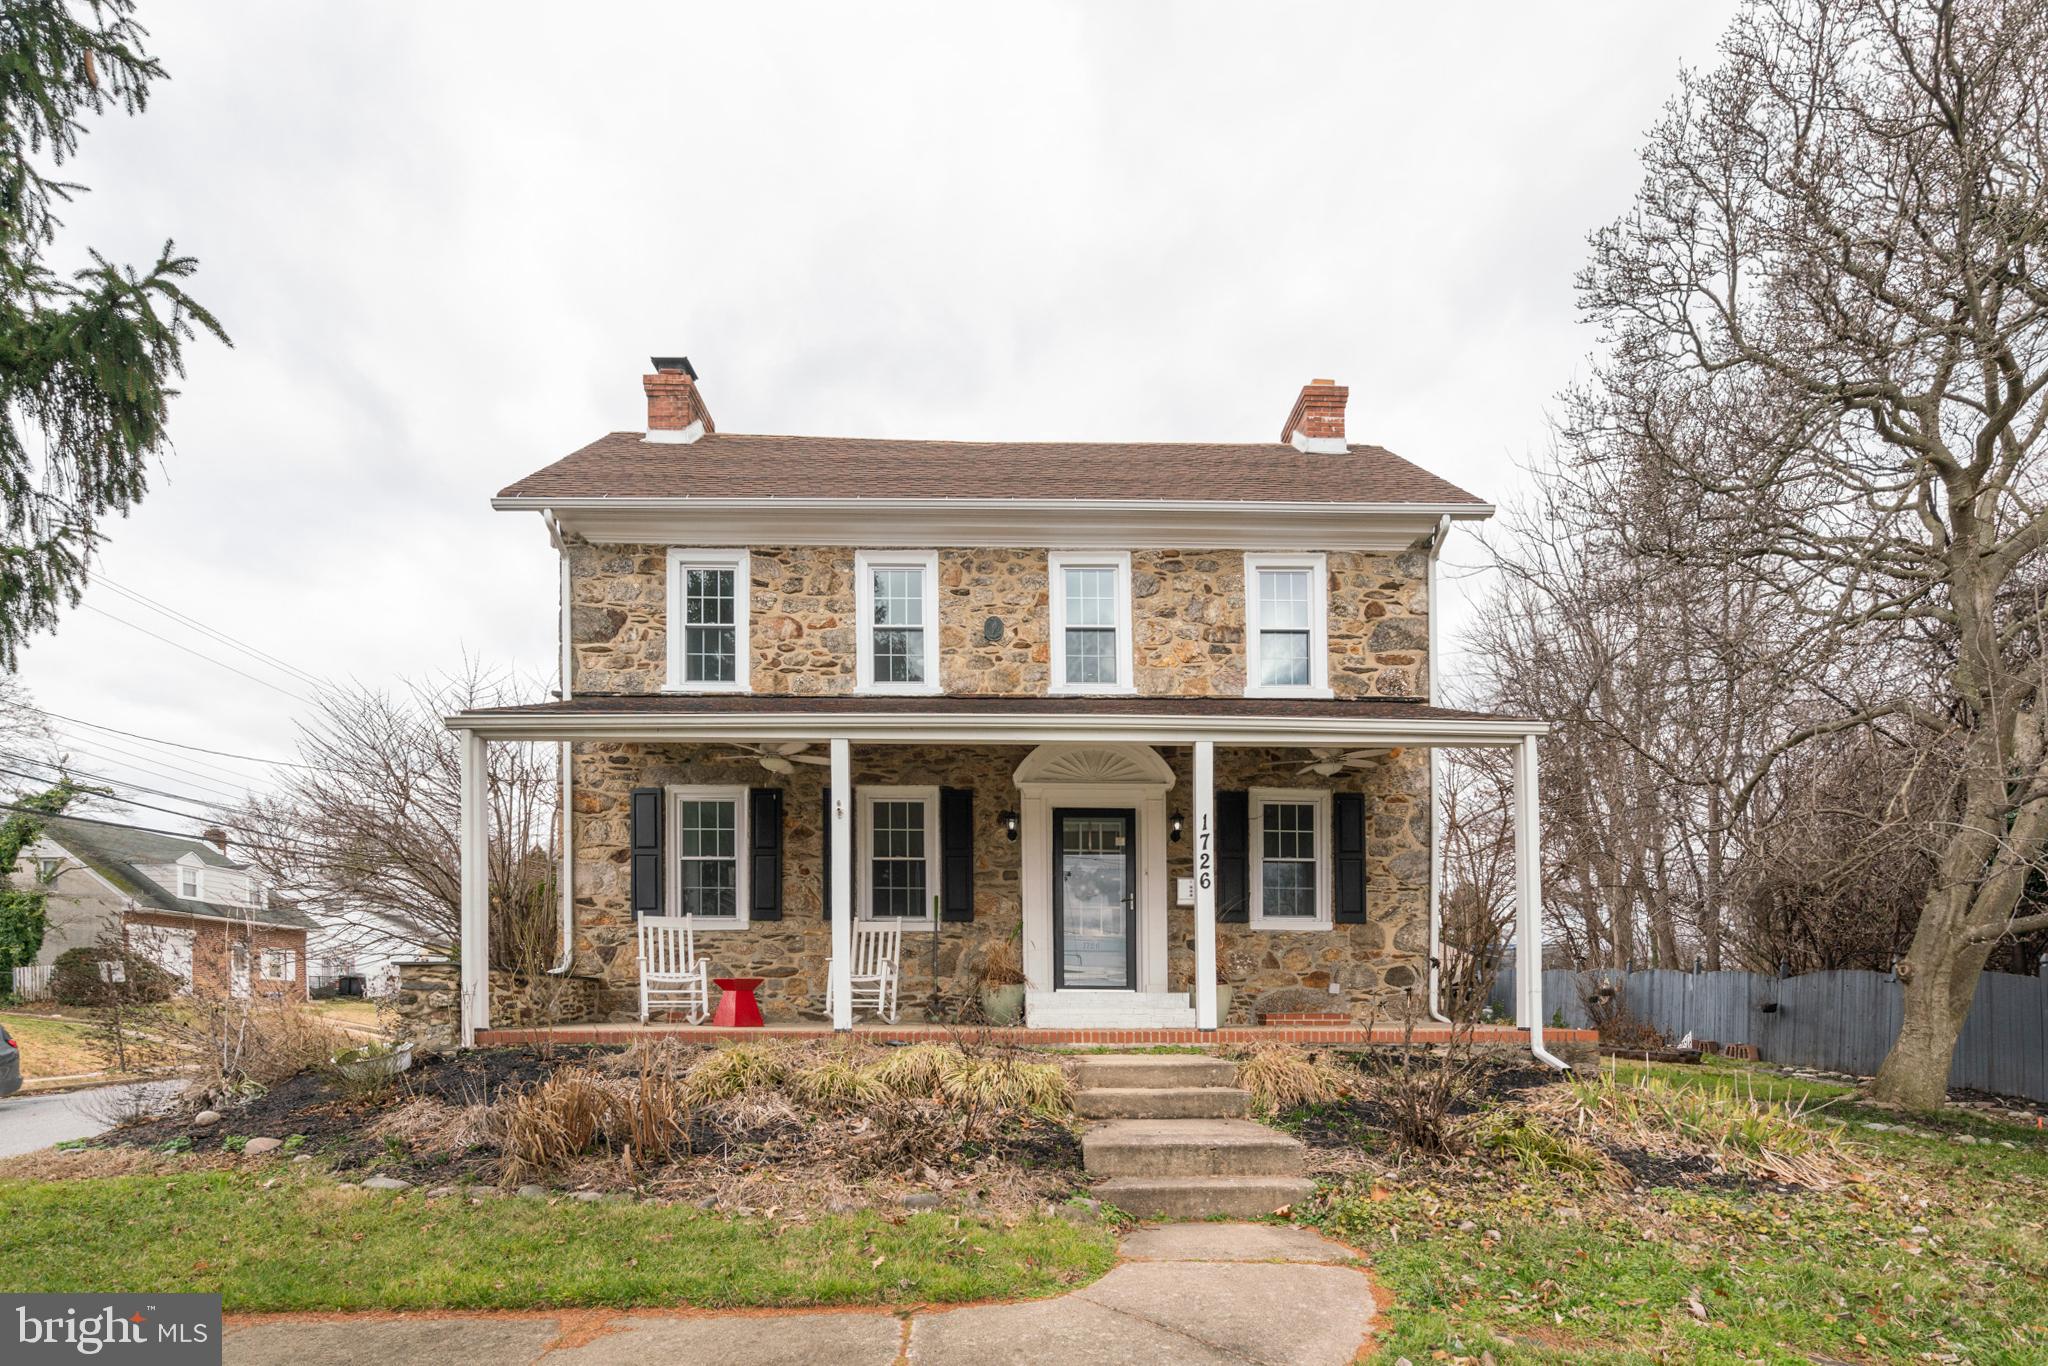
{"x": 1085, "y": 765}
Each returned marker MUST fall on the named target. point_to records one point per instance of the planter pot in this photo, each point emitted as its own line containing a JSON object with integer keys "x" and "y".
{"x": 1224, "y": 996}
{"x": 399, "y": 1059}
{"x": 1003, "y": 1005}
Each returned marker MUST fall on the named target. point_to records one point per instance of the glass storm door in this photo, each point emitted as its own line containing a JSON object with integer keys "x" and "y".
{"x": 1094, "y": 900}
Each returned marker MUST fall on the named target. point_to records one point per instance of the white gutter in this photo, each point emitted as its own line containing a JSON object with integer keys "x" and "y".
{"x": 995, "y": 728}
{"x": 567, "y": 785}
{"x": 1436, "y": 834}
{"x": 1411, "y": 511}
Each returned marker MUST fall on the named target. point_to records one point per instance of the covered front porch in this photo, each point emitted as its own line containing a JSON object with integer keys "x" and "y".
{"x": 1164, "y": 869}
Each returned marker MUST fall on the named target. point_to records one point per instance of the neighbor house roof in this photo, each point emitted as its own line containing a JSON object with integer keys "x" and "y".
{"x": 723, "y": 465}
{"x": 118, "y": 853}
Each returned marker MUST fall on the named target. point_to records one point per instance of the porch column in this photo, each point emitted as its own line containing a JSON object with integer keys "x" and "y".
{"x": 840, "y": 839}
{"x": 1205, "y": 884}
{"x": 474, "y": 839}
{"x": 1528, "y": 894}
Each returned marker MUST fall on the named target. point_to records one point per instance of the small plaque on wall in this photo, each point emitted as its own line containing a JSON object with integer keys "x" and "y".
{"x": 1183, "y": 891}
{"x": 992, "y": 630}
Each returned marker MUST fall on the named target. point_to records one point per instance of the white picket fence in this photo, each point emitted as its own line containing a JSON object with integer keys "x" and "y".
{"x": 32, "y": 984}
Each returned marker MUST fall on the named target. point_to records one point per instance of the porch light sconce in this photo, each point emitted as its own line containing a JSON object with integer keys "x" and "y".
{"x": 1009, "y": 820}
{"x": 1174, "y": 825}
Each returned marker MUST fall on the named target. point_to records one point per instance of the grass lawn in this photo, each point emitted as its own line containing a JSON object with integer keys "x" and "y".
{"x": 1941, "y": 1250}
{"x": 52, "y": 1047}
{"x": 306, "y": 1244}
{"x": 348, "y": 1010}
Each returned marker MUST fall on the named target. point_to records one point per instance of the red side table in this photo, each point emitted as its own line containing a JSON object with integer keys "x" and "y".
{"x": 737, "y": 1008}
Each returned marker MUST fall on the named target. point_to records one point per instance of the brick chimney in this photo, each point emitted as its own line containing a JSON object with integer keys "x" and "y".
{"x": 675, "y": 410}
{"x": 1317, "y": 422}
{"x": 216, "y": 837}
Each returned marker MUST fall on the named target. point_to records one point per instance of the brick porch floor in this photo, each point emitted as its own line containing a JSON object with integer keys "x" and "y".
{"x": 876, "y": 1032}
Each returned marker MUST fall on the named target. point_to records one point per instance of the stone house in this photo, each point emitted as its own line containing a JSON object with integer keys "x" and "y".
{"x": 208, "y": 919}
{"x": 1159, "y": 715}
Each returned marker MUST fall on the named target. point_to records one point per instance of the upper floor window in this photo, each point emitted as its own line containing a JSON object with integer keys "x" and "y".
{"x": 1290, "y": 839}
{"x": 707, "y": 620}
{"x": 901, "y": 828}
{"x": 706, "y": 826}
{"x": 1091, "y": 621}
{"x": 188, "y": 883}
{"x": 1286, "y": 615}
{"x": 897, "y": 605}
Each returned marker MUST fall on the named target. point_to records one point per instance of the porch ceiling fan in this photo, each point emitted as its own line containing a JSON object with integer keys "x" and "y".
{"x": 784, "y": 758}
{"x": 1330, "y": 762}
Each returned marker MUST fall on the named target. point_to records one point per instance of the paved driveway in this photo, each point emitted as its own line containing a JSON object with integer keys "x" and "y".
{"x": 30, "y": 1122}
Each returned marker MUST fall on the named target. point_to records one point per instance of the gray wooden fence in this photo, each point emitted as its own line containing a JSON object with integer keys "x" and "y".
{"x": 1840, "y": 1021}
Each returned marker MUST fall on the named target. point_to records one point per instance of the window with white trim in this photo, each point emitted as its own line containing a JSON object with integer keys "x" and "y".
{"x": 896, "y": 605}
{"x": 279, "y": 965}
{"x": 1290, "y": 839}
{"x": 1091, "y": 621}
{"x": 899, "y": 831}
{"x": 188, "y": 883}
{"x": 707, "y": 620}
{"x": 1286, "y": 606}
{"x": 707, "y": 829}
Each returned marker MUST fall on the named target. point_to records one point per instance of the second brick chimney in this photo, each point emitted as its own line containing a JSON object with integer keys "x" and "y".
{"x": 1317, "y": 422}
{"x": 675, "y": 410}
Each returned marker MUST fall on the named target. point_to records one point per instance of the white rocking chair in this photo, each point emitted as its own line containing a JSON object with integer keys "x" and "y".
{"x": 672, "y": 976}
{"x": 877, "y": 953}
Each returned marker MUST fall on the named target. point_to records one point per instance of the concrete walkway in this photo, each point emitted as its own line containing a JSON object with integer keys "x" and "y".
{"x": 1193, "y": 1294}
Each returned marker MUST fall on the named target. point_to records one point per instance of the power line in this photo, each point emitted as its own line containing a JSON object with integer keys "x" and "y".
{"x": 151, "y": 760}
{"x": 207, "y": 804}
{"x": 199, "y": 654}
{"x": 222, "y": 753}
{"x": 212, "y": 631}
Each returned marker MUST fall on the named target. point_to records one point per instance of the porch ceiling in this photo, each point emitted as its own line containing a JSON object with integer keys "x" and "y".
{"x": 999, "y": 720}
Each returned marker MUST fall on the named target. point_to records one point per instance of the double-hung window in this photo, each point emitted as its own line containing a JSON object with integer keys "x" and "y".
{"x": 188, "y": 883}
{"x": 706, "y": 837}
{"x": 1290, "y": 839}
{"x": 1286, "y": 618}
{"x": 1091, "y": 621}
{"x": 279, "y": 965}
{"x": 707, "y": 620}
{"x": 899, "y": 829}
{"x": 896, "y": 600}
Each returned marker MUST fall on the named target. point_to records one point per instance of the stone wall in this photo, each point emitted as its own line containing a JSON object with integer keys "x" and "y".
{"x": 1373, "y": 964}
{"x": 1187, "y": 621}
{"x": 428, "y": 1002}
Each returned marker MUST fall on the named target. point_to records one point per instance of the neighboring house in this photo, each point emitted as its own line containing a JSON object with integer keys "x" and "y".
{"x": 1161, "y": 712}
{"x": 355, "y": 953}
{"x": 208, "y": 919}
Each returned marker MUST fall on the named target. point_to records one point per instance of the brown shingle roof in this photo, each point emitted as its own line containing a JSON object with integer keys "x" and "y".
{"x": 723, "y": 465}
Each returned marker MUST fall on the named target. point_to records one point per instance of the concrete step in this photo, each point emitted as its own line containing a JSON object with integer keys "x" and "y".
{"x": 1109, "y": 1010}
{"x": 1162, "y": 1102}
{"x": 1188, "y": 1147}
{"x": 1202, "y": 1197}
{"x": 1156, "y": 1069}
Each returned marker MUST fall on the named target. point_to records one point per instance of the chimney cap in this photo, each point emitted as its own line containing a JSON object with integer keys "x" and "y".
{"x": 673, "y": 365}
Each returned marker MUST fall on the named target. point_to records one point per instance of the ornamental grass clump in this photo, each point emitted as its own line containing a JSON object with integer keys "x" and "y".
{"x": 835, "y": 1084}
{"x": 1744, "y": 1134}
{"x": 733, "y": 1072}
{"x": 1282, "y": 1079}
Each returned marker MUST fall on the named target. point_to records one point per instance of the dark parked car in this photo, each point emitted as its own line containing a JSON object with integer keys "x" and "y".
{"x": 10, "y": 1063}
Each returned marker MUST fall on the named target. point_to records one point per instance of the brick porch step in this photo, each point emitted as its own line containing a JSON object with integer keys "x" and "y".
{"x": 1189, "y": 1147}
{"x": 1165, "y": 1070}
{"x": 1162, "y": 1102}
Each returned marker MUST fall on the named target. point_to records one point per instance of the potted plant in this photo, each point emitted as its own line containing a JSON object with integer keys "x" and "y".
{"x": 1002, "y": 984}
{"x": 1225, "y": 994}
{"x": 374, "y": 1060}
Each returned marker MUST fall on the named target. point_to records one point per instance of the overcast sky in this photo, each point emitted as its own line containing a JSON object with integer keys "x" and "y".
{"x": 446, "y": 237}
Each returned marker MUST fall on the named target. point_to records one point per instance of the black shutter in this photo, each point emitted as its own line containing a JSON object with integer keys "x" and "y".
{"x": 956, "y": 856}
{"x": 646, "y": 835}
{"x": 1233, "y": 857}
{"x": 1348, "y": 811}
{"x": 764, "y": 840}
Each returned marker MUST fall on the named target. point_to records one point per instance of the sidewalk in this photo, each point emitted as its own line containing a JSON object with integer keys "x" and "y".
{"x": 1194, "y": 1294}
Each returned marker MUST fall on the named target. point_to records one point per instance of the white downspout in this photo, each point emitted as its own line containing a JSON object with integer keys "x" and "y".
{"x": 1436, "y": 834}
{"x": 1529, "y": 903}
{"x": 567, "y": 785}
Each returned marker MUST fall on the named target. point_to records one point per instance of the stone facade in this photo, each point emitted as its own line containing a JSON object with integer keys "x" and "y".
{"x": 1374, "y": 965}
{"x": 994, "y": 639}
{"x": 1187, "y": 621}
{"x": 429, "y": 995}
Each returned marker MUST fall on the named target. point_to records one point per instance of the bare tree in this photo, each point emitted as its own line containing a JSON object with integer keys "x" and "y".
{"x": 364, "y": 829}
{"x": 1828, "y": 341}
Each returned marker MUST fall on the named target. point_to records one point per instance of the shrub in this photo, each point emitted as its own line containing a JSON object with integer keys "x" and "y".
{"x": 242, "y": 1045}
{"x": 1537, "y": 1148}
{"x": 576, "y": 1110}
{"x": 78, "y": 979}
